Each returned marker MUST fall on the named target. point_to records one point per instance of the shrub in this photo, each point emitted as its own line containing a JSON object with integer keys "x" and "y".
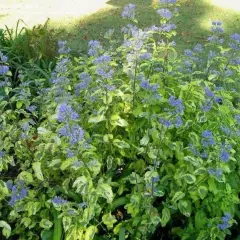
{"x": 128, "y": 142}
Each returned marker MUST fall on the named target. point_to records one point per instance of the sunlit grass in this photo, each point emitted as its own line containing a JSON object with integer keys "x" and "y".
{"x": 79, "y": 21}
{"x": 227, "y": 4}
{"x": 38, "y": 11}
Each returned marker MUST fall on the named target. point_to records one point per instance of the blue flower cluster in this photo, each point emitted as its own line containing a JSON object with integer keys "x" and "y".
{"x": 217, "y": 27}
{"x": 18, "y": 192}
{"x": 75, "y": 133}
{"x": 85, "y": 79}
{"x": 207, "y": 138}
{"x": 215, "y": 172}
{"x": 167, "y": 1}
{"x": 103, "y": 66}
{"x": 236, "y": 44}
{"x": 129, "y": 11}
{"x": 63, "y": 49}
{"x": 94, "y": 48}
{"x": 225, "y": 222}
{"x": 58, "y": 201}
{"x": 177, "y": 103}
{"x": 165, "y": 13}
{"x": 66, "y": 113}
{"x": 4, "y": 69}
{"x": 2, "y": 154}
{"x": 224, "y": 154}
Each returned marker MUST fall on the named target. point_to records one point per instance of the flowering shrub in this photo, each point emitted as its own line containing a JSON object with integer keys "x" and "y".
{"x": 125, "y": 141}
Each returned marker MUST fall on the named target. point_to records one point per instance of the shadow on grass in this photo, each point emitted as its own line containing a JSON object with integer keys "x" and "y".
{"x": 193, "y": 22}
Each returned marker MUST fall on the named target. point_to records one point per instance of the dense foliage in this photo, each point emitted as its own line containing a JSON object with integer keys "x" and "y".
{"x": 129, "y": 142}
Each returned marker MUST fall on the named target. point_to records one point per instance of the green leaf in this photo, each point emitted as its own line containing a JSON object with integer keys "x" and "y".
{"x": 37, "y": 170}
{"x": 116, "y": 120}
{"x": 6, "y": 228}
{"x": 120, "y": 144}
{"x": 185, "y": 207}
{"x": 82, "y": 184}
{"x": 19, "y": 104}
{"x": 97, "y": 119}
{"x": 202, "y": 192}
{"x": 166, "y": 216}
{"x": 57, "y": 232}
{"x": 105, "y": 191}
{"x": 46, "y": 224}
{"x": 201, "y": 117}
{"x": 144, "y": 141}
{"x": 189, "y": 178}
{"x": 90, "y": 232}
{"x": 200, "y": 220}
{"x": 177, "y": 196}
{"x": 108, "y": 219}
{"x": 193, "y": 160}
{"x": 42, "y": 130}
{"x": 47, "y": 234}
{"x": 26, "y": 177}
{"x": 122, "y": 233}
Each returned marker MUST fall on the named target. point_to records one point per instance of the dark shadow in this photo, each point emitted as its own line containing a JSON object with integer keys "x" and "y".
{"x": 193, "y": 23}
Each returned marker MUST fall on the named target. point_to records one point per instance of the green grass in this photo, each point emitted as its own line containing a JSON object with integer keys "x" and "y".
{"x": 192, "y": 25}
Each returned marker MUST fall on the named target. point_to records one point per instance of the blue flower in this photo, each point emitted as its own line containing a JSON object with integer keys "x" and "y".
{"x": 4, "y": 69}
{"x": 235, "y": 37}
{"x": 226, "y": 217}
{"x": 2, "y": 154}
{"x": 63, "y": 49}
{"x": 207, "y": 107}
{"x": 109, "y": 88}
{"x": 155, "y": 179}
{"x": 105, "y": 73}
{"x": 218, "y": 100}
{"x": 237, "y": 117}
{"x": 179, "y": 121}
{"x": 209, "y": 93}
{"x": 31, "y": 108}
{"x": 168, "y": 1}
{"x": 198, "y": 48}
{"x": 18, "y": 192}
{"x": 82, "y": 205}
{"x": 166, "y": 123}
{"x": 9, "y": 185}
{"x": 65, "y": 113}
{"x": 85, "y": 80}
{"x": 188, "y": 53}
{"x": 165, "y": 13}
{"x": 224, "y": 155}
{"x": 70, "y": 154}
{"x": 207, "y": 134}
{"x": 4, "y": 58}
{"x": 94, "y": 48}
{"x": 145, "y": 56}
{"x": 225, "y": 222}
{"x": 204, "y": 155}
{"x": 225, "y": 130}
{"x": 129, "y": 11}
{"x": 59, "y": 201}
{"x": 215, "y": 172}
{"x": 193, "y": 150}
{"x": 75, "y": 133}
{"x": 217, "y": 27}
{"x": 167, "y": 27}
{"x": 177, "y": 103}
{"x": 207, "y": 139}
{"x": 102, "y": 59}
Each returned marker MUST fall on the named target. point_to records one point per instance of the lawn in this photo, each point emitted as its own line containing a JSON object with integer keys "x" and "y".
{"x": 78, "y": 21}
